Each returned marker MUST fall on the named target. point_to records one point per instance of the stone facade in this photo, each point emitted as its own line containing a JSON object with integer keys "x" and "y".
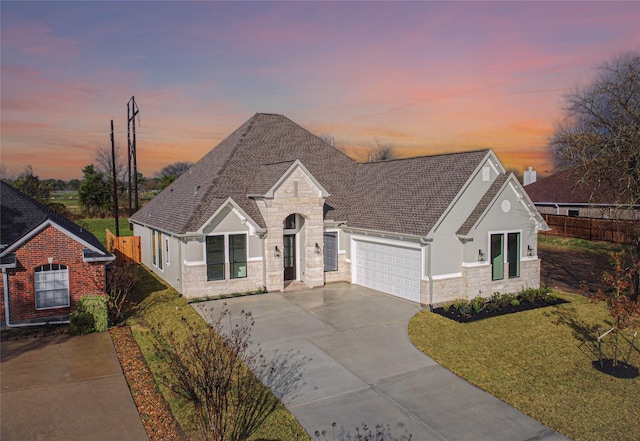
{"x": 196, "y": 285}
{"x": 297, "y": 194}
{"x": 343, "y": 274}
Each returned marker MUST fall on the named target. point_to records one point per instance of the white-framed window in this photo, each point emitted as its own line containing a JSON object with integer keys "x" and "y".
{"x": 166, "y": 250}
{"x": 223, "y": 248}
{"x": 505, "y": 249}
{"x": 51, "y": 284}
{"x": 157, "y": 248}
{"x": 330, "y": 251}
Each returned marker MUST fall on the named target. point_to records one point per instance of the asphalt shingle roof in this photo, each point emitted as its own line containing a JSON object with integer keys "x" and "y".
{"x": 491, "y": 193}
{"x": 404, "y": 196}
{"x": 20, "y": 214}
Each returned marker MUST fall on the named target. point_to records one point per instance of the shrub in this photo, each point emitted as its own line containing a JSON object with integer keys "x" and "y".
{"x": 81, "y": 323}
{"x": 97, "y": 307}
{"x": 515, "y": 302}
{"x": 478, "y": 304}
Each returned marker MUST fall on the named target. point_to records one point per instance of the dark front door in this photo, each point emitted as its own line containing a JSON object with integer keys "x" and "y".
{"x": 289, "y": 257}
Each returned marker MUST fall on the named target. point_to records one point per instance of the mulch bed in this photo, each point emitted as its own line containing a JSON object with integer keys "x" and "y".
{"x": 453, "y": 313}
{"x": 154, "y": 410}
{"x": 619, "y": 370}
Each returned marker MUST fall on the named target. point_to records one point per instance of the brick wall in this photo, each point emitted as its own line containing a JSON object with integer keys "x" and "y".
{"x": 84, "y": 278}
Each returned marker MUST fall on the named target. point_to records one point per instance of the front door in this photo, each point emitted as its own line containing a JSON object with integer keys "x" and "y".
{"x": 289, "y": 257}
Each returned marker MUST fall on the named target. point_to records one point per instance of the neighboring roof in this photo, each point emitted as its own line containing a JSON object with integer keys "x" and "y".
{"x": 405, "y": 196}
{"x": 21, "y": 214}
{"x": 561, "y": 188}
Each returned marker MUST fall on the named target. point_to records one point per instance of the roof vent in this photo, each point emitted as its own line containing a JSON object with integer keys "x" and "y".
{"x": 195, "y": 189}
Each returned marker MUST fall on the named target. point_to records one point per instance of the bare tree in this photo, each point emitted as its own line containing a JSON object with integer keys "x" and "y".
{"x": 121, "y": 280}
{"x": 212, "y": 370}
{"x": 382, "y": 152}
{"x": 103, "y": 162}
{"x": 599, "y": 138}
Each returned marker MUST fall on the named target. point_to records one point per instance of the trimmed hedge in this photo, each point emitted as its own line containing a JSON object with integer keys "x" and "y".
{"x": 96, "y": 306}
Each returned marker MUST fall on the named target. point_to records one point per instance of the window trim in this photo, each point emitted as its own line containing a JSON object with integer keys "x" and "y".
{"x": 324, "y": 249}
{"x": 61, "y": 269}
{"x": 227, "y": 252}
{"x": 505, "y": 254}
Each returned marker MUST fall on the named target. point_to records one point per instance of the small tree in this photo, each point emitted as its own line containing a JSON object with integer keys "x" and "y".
{"x": 212, "y": 370}
{"x": 624, "y": 310}
{"x": 31, "y": 185}
{"x": 121, "y": 279}
{"x": 94, "y": 192}
{"x": 382, "y": 152}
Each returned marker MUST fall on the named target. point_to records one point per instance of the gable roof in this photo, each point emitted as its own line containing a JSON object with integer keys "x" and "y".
{"x": 20, "y": 215}
{"x": 230, "y": 168}
{"x": 481, "y": 207}
{"x": 405, "y": 196}
{"x": 409, "y": 195}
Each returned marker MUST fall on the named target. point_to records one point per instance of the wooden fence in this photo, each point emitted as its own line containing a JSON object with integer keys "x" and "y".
{"x": 125, "y": 248}
{"x": 608, "y": 230}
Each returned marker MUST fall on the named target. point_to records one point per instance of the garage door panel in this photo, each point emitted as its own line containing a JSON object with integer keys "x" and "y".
{"x": 392, "y": 269}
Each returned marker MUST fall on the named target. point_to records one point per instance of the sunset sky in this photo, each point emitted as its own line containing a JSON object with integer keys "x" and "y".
{"x": 426, "y": 77}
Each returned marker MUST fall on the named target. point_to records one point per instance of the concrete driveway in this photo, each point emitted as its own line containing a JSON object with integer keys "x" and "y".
{"x": 343, "y": 356}
{"x": 66, "y": 388}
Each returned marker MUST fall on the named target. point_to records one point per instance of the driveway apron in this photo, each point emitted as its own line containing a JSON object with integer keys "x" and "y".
{"x": 66, "y": 388}
{"x": 342, "y": 355}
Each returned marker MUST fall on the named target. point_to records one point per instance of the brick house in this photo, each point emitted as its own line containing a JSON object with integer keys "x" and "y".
{"x": 47, "y": 262}
{"x": 273, "y": 204}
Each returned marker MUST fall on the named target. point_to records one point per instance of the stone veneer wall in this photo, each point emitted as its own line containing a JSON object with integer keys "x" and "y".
{"x": 196, "y": 285}
{"x": 343, "y": 274}
{"x": 297, "y": 194}
{"x": 476, "y": 281}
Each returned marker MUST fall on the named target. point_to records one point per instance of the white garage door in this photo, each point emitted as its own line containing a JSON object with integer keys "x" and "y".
{"x": 388, "y": 268}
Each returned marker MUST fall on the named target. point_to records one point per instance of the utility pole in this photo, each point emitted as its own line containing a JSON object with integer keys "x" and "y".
{"x": 132, "y": 111}
{"x": 115, "y": 182}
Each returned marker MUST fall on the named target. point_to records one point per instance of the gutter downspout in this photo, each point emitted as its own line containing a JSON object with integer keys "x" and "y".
{"x": 428, "y": 242}
{"x": 7, "y": 314}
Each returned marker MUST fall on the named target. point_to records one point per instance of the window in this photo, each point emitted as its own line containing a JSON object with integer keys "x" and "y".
{"x": 215, "y": 257}
{"x": 51, "y": 286}
{"x": 238, "y": 255}
{"x": 331, "y": 251}
{"x": 290, "y": 222}
{"x": 498, "y": 254}
{"x": 166, "y": 250}
{"x": 497, "y": 258}
{"x": 154, "y": 248}
{"x": 513, "y": 254}
{"x": 159, "y": 245}
{"x": 573, "y": 213}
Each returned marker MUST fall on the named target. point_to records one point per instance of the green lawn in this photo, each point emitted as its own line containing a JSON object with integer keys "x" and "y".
{"x": 156, "y": 304}
{"x": 539, "y": 361}
{"x": 98, "y": 227}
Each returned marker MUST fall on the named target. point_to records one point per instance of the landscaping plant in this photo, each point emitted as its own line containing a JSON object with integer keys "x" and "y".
{"x": 211, "y": 370}
{"x": 96, "y": 306}
{"x": 622, "y": 303}
{"x": 121, "y": 280}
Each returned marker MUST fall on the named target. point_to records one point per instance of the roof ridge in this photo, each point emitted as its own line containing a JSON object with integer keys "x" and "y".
{"x": 435, "y": 155}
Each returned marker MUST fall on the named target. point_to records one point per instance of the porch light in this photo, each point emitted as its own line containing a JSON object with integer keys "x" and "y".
{"x": 317, "y": 248}
{"x": 529, "y": 251}
{"x": 276, "y": 252}
{"x": 481, "y": 256}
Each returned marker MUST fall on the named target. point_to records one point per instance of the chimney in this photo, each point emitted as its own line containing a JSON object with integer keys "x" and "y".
{"x": 529, "y": 176}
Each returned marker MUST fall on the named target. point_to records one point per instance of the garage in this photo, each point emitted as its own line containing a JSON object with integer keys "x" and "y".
{"x": 389, "y": 268}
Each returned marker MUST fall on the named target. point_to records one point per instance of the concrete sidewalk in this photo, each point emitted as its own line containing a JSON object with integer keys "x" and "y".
{"x": 343, "y": 355}
{"x": 66, "y": 388}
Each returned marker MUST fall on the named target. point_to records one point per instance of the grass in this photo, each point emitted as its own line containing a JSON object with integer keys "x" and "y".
{"x": 539, "y": 361}
{"x": 98, "y": 227}
{"x": 156, "y": 304}
{"x": 579, "y": 244}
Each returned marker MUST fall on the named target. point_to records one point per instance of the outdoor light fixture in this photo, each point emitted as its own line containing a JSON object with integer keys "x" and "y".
{"x": 276, "y": 252}
{"x": 317, "y": 248}
{"x": 481, "y": 256}
{"x": 529, "y": 251}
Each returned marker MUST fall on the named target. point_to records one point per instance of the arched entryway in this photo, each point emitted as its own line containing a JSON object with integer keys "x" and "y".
{"x": 292, "y": 244}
